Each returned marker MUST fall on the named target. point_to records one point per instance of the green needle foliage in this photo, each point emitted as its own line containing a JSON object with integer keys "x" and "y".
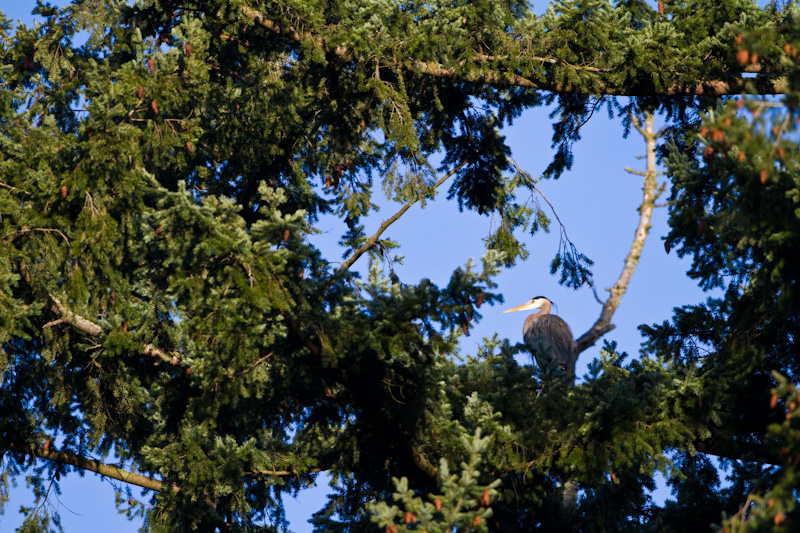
{"x": 165, "y": 322}
{"x": 462, "y": 505}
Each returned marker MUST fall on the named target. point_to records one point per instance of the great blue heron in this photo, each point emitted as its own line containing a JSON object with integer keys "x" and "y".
{"x": 548, "y": 336}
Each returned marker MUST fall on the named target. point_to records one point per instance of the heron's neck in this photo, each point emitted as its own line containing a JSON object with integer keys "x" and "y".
{"x": 545, "y": 309}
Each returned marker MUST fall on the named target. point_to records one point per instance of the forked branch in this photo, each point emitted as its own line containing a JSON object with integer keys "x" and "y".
{"x": 651, "y": 192}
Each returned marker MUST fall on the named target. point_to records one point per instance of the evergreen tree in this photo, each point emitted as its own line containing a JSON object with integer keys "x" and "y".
{"x": 158, "y": 300}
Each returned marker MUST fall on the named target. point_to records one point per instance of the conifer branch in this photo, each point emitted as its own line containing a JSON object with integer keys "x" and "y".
{"x": 273, "y": 26}
{"x": 603, "y": 324}
{"x": 714, "y": 87}
{"x": 67, "y": 316}
{"x": 14, "y": 234}
{"x": 295, "y": 328}
{"x": 126, "y": 476}
{"x": 152, "y": 351}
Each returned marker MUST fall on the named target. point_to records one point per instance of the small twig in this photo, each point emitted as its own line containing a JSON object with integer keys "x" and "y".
{"x": 255, "y": 364}
{"x": 564, "y": 238}
{"x": 22, "y": 231}
{"x": 540, "y": 193}
{"x": 12, "y": 188}
{"x": 637, "y": 172}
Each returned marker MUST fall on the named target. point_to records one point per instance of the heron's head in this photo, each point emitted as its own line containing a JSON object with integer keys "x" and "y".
{"x": 536, "y": 302}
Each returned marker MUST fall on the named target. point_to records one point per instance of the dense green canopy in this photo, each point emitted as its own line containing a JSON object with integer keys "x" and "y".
{"x": 162, "y": 160}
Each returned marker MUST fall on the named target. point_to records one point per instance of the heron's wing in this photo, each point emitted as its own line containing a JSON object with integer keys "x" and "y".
{"x": 554, "y": 335}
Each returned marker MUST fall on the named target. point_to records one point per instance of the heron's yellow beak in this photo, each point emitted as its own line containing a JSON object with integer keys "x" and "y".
{"x": 524, "y": 307}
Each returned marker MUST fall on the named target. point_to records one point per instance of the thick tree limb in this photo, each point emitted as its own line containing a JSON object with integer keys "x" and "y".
{"x": 98, "y": 467}
{"x": 603, "y": 324}
{"x": 714, "y": 87}
{"x": 423, "y": 464}
{"x": 133, "y": 478}
{"x": 73, "y": 319}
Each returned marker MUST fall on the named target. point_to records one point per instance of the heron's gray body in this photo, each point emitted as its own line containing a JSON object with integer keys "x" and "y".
{"x": 550, "y": 339}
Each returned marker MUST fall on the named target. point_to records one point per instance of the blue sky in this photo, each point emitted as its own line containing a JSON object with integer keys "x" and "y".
{"x": 596, "y": 201}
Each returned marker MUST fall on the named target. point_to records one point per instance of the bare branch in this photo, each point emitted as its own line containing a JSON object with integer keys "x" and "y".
{"x": 386, "y": 223}
{"x": 603, "y": 324}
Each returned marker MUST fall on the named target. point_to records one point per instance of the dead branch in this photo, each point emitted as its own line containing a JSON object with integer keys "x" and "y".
{"x": 603, "y": 324}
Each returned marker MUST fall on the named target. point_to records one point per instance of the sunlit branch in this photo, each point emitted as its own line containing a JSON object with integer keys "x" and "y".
{"x": 651, "y": 192}
{"x": 73, "y": 319}
{"x": 17, "y": 233}
{"x": 98, "y": 467}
